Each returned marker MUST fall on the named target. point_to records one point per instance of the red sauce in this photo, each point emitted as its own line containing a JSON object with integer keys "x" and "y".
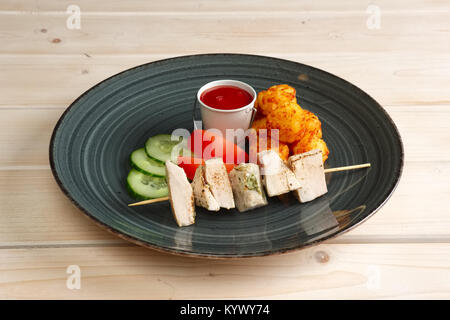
{"x": 226, "y": 97}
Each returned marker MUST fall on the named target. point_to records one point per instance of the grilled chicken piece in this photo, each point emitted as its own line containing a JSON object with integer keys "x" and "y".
{"x": 180, "y": 194}
{"x": 276, "y": 176}
{"x": 216, "y": 177}
{"x": 308, "y": 168}
{"x": 202, "y": 192}
{"x": 247, "y": 187}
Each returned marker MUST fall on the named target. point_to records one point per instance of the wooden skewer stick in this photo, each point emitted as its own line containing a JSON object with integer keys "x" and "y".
{"x": 140, "y": 203}
{"x": 358, "y": 166}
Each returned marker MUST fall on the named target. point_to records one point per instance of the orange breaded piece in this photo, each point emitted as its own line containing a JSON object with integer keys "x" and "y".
{"x": 269, "y": 100}
{"x": 278, "y": 109}
{"x": 308, "y": 144}
{"x": 265, "y": 143}
{"x": 260, "y": 123}
{"x": 289, "y": 119}
{"x": 312, "y": 124}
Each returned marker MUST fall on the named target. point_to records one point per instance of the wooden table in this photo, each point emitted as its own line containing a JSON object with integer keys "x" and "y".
{"x": 403, "y": 251}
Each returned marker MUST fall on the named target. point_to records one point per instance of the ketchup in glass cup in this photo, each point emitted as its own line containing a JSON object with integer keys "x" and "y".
{"x": 226, "y": 97}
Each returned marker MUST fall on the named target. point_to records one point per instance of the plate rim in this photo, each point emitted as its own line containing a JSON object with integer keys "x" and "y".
{"x": 184, "y": 253}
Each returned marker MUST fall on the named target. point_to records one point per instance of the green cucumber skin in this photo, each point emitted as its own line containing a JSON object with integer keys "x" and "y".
{"x": 146, "y": 152}
{"x": 158, "y": 155}
{"x": 189, "y": 153}
{"x": 134, "y": 166}
{"x": 135, "y": 195}
{"x": 139, "y": 196}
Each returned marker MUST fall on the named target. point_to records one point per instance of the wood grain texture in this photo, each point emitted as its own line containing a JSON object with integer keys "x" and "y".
{"x": 57, "y": 80}
{"x": 212, "y": 6}
{"x": 244, "y": 32}
{"x": 328, "y": 271}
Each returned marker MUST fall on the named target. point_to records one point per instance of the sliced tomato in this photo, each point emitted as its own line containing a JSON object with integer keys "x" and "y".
{"x": 190, "y": 165}
{"x": 207, "y": 144}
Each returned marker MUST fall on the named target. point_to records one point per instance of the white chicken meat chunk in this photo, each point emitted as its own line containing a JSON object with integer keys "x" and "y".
{"x": 216, "y": 177}
{"x": 247, "y": 187}
{"x": 309, "y": 171}
{"x": 181, "y": 195}
{"x": 276, "y": 176}
{"x": 202, "y": 191}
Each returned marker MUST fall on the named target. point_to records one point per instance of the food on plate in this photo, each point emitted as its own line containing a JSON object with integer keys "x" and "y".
{"x": 289, "y": 120}
{"x": 264, "y": 142}
{"x": 143, "y": 163}
{"x": 181, "y": 196}
{"x": 146, "y": 180}
{"x": 306, "y": 145}
{"x": 202, "y": 191}
{"x": 216, "y": 177}
{"x": 190, "y": 165}
{"x": 143, "y": 186}
{"x": 207, "y": 144}
{"x": 226, "y": 97}
{"x": 259, "y": 123}
{"x": 309, "y": 171}
{"x": 212, "y": 188}
{"x": 301, "y": 129}
{"x": 247, "y": 187}
{"x": 312, "y": 137}
{"x": 271, "y": 99}
{"x": 219, "y": 170}
{"x": 276, "y": 176}
{"x": 163, "y": 147}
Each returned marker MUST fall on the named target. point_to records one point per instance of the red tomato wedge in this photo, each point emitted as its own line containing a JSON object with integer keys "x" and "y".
{"x": 190, "y": 165}
{"x": 206, "y": 145}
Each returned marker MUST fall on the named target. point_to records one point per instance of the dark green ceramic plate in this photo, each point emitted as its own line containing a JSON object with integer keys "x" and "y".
{"x": 92, "y": 141}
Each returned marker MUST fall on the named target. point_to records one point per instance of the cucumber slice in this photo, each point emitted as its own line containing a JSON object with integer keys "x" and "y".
{"x": 161, "y": 147}
{"x": 142, "y": 186}
{"x": 143, "y": 163}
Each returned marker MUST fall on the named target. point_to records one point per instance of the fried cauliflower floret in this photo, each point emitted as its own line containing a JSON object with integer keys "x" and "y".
{"x": 289, "y": 120}
{"x": 260, "y": 123}
{"x": 308, "y": 144}
{"x": 277, "y": 108}
{"x": 264, "y": 142}
{"x": 271, "y": 99}
{"x": 313, "y": 127}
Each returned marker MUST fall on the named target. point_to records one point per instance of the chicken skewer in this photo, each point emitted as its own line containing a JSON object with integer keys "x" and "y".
{"x": 211, "y": 185}
{"x": 329, "y": 170}
{"x": 247, "y": 187}
{"x": 181, "y": 196}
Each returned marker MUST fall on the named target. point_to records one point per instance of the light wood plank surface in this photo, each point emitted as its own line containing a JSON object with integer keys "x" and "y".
{"x": 195, "y": 33}
{"x": 335, "y": 271}
{"x": 401, "y": 252}
{"x": 208, "y": 6}
{"x": 63, "y": 77}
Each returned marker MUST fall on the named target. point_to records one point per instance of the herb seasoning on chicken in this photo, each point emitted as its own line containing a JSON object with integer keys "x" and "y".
{"x": 247, "y": 187}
